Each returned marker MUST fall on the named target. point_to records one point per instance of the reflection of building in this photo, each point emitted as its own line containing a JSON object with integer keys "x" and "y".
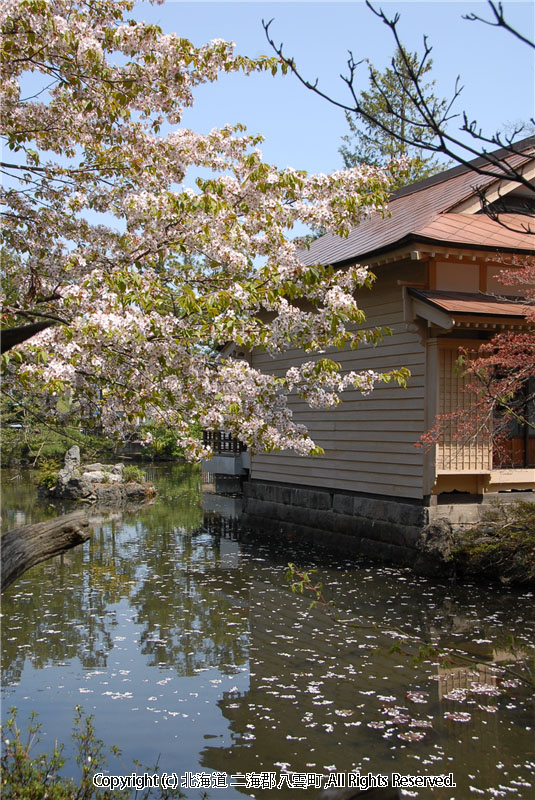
{"x": 484, "y": 673}
{"x": 222, "y": 505}
{"x": 217, "y": 523}
{"x": 463, "y": 677}
{"x": 315, "y": 685}
{"x": 230, "y": 461}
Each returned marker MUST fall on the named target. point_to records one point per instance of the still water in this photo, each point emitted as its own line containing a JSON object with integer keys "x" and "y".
{"x": 179, "y": 632}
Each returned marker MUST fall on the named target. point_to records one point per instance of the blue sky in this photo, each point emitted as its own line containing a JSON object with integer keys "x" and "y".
{"x": 302, "y": 130}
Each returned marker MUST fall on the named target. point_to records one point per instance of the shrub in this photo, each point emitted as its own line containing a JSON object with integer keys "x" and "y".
{"x": 38, "y": 778}
{"x": 47, "y": 475}
{"x": 133, "y": 473}
{"x": 502, "y": 545}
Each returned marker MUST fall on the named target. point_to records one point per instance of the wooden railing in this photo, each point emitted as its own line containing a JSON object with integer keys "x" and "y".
{"x": 222, "y": 442}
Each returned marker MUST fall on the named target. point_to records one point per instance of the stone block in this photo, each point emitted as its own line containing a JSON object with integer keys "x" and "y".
{"x": 380, "y": 530}
{"x": 284, "y": 494}
{"x": 412, "y": 514}
{"x": 282, "y": 511}
{"x": 324, "y": 520}
{"x": 343, "y": 504}
{"x": 264, "y": 491}
{"x": 310, "y": 498}
{"x": 383, "y": 551}
{"x": 259, "y": 508}
{"x": 337, "y": 541}
{"x": 411, "y": 534}
{"x": 351, "y": 526}
{"x": 248, "y": 489}
{"x": 365, "y": 507}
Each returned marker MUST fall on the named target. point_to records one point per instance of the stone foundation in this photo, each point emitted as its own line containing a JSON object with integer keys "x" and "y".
{"x": 379, "y": 528}
{"x": 399, "y": 531}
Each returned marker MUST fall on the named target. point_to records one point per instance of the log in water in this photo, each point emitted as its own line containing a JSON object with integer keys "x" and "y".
{"x": 26, "y": 546}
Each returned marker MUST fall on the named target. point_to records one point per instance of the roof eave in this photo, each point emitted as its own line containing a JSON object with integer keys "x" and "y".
{"x": 414, "y": 238}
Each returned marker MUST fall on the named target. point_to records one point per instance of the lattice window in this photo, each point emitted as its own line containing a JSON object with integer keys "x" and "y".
{"x": 454, "y": 454}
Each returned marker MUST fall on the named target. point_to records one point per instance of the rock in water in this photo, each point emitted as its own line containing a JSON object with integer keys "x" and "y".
{"x": 435, "y": 550}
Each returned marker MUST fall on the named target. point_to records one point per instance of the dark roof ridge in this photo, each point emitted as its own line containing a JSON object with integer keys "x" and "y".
{"x": 459, "y": 169}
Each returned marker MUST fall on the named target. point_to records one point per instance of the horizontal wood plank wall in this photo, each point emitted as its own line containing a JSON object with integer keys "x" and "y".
{"x": 368, "y": 441}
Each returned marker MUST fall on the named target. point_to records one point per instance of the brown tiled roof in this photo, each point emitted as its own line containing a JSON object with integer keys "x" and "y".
{"x": 417, "y": 209}
{"x": 459, "y": 303}
{"x": 513, "y": 231}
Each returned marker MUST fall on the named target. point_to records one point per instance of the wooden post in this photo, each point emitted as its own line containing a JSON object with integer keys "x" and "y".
{"x": 24, "y": 547}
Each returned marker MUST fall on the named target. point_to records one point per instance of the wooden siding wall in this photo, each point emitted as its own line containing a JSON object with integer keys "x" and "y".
{"x": 454, "y": 455}
{"x": 368, "y": 441}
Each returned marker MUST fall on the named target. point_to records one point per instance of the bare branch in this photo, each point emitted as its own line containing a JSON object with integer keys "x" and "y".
{"x": 470, "y": 148}
{"x": 499, "y": 22}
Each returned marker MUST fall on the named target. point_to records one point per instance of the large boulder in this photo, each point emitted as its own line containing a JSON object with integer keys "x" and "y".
{"x": 112, "y": 469}
{"x": 75, "y": 488}
{"x": 71, "y": 469}
{"x": 435, "y": 550}
{"x": 101, "y": 476}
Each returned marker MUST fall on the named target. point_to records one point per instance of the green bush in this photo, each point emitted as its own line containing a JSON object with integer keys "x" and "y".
{"x": 28, "y": 440}
{"x": 39, "y": 778}
{"x": 502, "y": 545}
{"x": 47, "y": 475}
{"x": 163, "y": 445}
{"x": 133, "y": 473}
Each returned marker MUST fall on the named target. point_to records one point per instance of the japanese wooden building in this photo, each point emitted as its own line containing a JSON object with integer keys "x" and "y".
{"x": 437, "y": 261}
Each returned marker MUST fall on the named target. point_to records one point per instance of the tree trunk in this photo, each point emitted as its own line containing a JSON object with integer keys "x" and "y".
{"x": 24, "y": 547}
{"x": 11, "y": 336}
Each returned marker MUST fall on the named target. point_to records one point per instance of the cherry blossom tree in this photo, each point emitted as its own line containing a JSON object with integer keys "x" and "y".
{"x": 122, "y": 285}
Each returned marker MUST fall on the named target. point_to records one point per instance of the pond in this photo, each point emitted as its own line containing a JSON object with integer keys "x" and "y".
{"x": 179, "y": 632}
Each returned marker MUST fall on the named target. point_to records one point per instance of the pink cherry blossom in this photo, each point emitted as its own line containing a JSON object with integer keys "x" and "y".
{"x": 146, "y": 280}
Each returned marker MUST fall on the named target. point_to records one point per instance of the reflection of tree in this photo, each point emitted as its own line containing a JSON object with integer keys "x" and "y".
{"x": 211, "y": 630}
{"x": 19, "y": 501}
{"x": 179, "y": 569}
{"x": 57, "y": 615}
{"x": 179, "y": 490}
{"x": 62, "y": 609}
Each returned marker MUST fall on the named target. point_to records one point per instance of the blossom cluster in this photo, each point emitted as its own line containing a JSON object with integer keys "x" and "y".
{"x": 144, "y": 280}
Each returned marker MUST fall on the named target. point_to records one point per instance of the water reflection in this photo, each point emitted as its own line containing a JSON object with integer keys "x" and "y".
{"x": 178, "y": 631}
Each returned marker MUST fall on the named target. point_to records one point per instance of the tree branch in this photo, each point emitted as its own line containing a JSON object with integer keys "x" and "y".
{"x": 422, "y": 115}
{"x": 499, "y": 22}
{"x": 13, "y": 336}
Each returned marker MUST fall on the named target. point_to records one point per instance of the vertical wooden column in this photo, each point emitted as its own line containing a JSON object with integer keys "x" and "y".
{"x": 431, "y": 410}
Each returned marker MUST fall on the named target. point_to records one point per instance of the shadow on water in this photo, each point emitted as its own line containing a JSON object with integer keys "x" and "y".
{"x": 177, "y": 629}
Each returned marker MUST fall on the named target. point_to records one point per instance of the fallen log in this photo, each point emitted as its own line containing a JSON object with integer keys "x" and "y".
{"x": 22, "y": 548}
